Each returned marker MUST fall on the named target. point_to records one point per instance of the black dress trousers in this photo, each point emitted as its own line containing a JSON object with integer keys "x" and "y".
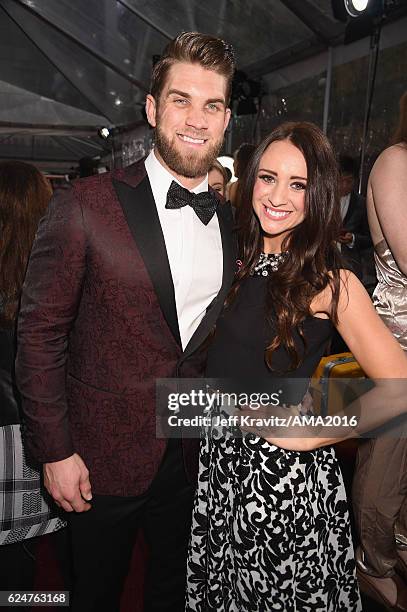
{"x": 103, "y": 540}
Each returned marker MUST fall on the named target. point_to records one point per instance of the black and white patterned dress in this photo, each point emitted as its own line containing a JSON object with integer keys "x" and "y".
{"x": 270, "y": 527}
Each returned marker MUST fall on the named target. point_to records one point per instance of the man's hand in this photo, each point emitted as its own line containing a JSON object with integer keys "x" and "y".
{"x": 67, "y": 481}
{"x": 346, "y": 237}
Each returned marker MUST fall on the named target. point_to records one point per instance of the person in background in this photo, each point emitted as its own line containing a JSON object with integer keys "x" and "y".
{"x": 26, "y": 510}
{"x": 228, "y": 183}
{"x": 380, "y": 483}
{"x": 218, "y": 178}
{"x": 355, "y": 235}
{"x": 242, "y": 157}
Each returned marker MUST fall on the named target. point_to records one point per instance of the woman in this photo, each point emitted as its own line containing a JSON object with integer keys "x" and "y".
{"x": 24, "y": 509}
{"x": 380, "y": 484}
{"x": 218, "y": 178}
{"x": 270, "y": 527}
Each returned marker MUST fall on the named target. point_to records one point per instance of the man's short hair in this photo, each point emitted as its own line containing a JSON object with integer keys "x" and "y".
{"x": 195, "y": 48}
{"x": 348, "y": 165}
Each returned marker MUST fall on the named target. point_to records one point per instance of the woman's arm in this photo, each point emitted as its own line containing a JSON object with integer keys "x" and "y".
{"x": 379, "y": 355}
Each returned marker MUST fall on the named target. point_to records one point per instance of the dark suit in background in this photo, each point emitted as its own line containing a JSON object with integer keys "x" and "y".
{"x": 356, "y": 252}
{"x": 355, "y": 222}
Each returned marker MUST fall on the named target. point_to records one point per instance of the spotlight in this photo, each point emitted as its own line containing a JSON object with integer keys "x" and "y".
{"x": 355, "y": 8}
{"x": 104, "y": 133}
{"x": 344, "y": 9}
{"x": 349, "y": 11}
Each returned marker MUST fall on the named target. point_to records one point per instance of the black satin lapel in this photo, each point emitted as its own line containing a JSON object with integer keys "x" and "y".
{"x": 353, "y": 202}
{"x": 142, "y": 217}
{"x": 229, "y": 245}
{"x": 229, "y": 249}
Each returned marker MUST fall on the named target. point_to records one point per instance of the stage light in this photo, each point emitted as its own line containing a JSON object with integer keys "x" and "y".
{"x": 344, "y": 9}
{"x": 354, "y": 11}
{"x": 104, "y": 133}
{"x": 355, "y": 8}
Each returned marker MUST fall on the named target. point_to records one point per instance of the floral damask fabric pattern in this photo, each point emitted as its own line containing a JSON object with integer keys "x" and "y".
{"x": 94, "y": 395}
{"x": 270, "y": 530}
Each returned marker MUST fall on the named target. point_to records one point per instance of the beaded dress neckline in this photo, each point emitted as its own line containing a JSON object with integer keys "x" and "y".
{"x": 268, "y": 262}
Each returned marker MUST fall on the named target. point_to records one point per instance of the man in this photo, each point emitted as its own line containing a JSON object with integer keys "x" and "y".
{"x": 356, "y": 235}
{"x": 124, "y": 284}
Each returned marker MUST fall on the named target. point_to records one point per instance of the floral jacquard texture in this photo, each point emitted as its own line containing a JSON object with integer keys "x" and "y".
{"x": 270, "y": 531}
{"x": 95, "y": 394}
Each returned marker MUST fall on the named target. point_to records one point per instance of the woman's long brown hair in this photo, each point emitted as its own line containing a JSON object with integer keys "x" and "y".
{"x": 24, "y": 197}
{"x": 312, "y": 259}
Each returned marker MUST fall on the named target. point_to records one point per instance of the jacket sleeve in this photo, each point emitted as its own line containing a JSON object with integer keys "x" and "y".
{"x": 49, "y": 303}
{"x": 359, "y": 225}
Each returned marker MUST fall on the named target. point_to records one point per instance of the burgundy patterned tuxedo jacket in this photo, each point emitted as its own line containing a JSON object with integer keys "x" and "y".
{"x": 98, "y": 325}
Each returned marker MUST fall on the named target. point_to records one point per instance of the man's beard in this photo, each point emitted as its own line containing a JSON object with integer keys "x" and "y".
{"x": 189, "y": 165}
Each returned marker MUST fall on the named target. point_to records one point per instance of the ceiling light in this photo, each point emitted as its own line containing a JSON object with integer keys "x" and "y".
{"x": 104, "y": 133}
{"x": 343, "y": 9}
{"x": 355, "y": 8}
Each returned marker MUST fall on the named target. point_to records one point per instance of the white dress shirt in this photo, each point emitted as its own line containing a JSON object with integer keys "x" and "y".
{"x": 194, "y": 251}
{"x": 345, "y": 201}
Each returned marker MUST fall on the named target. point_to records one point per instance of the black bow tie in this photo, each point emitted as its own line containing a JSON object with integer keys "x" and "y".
{"x": 204, "y": 204}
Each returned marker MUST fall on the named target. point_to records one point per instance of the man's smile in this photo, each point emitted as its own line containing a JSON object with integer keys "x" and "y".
{"x": 191, "y": 140}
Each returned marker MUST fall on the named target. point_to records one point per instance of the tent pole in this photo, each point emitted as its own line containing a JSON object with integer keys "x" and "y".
{"x": 371, "y": 80}
{"x": 129, "y": 6}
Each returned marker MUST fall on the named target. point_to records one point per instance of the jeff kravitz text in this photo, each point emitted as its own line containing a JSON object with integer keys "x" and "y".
{"x": 236, "y": 420}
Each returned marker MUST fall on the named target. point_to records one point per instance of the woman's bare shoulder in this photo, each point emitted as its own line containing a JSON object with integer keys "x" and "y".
{"x": 390, "y": 160}
{"x": 322, "y": 303}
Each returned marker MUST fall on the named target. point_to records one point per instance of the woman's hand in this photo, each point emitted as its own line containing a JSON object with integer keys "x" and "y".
{"x": 282, "y": 426}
